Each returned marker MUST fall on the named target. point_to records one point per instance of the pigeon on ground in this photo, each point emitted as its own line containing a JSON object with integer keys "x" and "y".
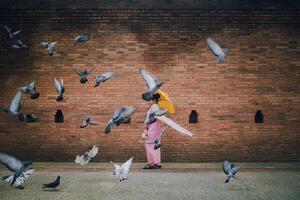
{"x": 84, "y": 74}
{"x": 53, "y": 184}
{"x": 15, "y": 107}
{"x": 49, "y": 46}
{"x": 102, "y": 78}
{"x": 60, "y": 89}
{"x": 30, "y": 89}
{"x": 81, "y": 38}
{"x": 20, "y": 169}
{"x": 121, "y": 115}
{"x": 86, "y": 157}
{"x": 122, "y": 171}
{"x": 152, "y": 84}
{"x": 230, "y": 169}
{"x": 88, "y": 121}
{"x": 10, "y": 33}
{"x": 216, "y": 49}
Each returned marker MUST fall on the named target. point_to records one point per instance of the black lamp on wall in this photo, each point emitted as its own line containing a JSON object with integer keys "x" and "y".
{"x": 259, "y": 117}
{"x": 59, "y": 117}
{"x": 193, "y": 118}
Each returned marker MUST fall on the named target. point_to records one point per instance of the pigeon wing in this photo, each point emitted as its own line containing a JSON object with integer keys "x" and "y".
{"x": 12, "y": 163}
{"x": 17, "y": 32}
{"x": 226, "y": 167}
{"x": 79, "y": 73}
{"x": 150, "y": 80}
{"x": 90, "y": 70}
{"x": 127, "y": 112}
{"x": 45, "y": 44}
{"x": 125, "y": 166}
{"x": 107, "y": 75}
{"x": 235, "y": 169}
{"x": 52, "y": 45}
{"x": 23, "y": 177}
{"x": 92, "y": 122}
{"x": 16, "y": 103}
{"x": 116, "y": 169}
{"x": 58, "y": 86}
{"x": 93, "y": 152}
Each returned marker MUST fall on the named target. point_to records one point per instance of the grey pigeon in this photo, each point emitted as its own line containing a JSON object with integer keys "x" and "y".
{"x": 50, "y": 47}
{"x": 15, "y": 107}
{"x": 230, "y": 169}
{"x": 150, "y": 116}
{"x": 152, "y": 84}
{"x": 20, "y": 169}
{"x": 216, "y": 49}
{"x": 60, "y": 89}
{"x": 88, "y": 121}
{"x": 18, "y": 44}
{"x": 102, "y": 78}
{"x": 81, "y": 38}
{"x": 10, "y": 33}
{"x": 30, "y": 89}
{"x": 53, "y": 184}
{"x": 84, "y": 74}
{"x": 121, "y": 115}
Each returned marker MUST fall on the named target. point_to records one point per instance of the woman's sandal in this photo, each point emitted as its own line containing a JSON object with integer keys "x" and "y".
{"x": 156, "y": 166}
{"x": 148, "y": 167}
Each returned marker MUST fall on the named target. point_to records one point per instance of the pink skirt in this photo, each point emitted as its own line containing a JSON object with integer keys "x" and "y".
{"x": 153, "y": 156}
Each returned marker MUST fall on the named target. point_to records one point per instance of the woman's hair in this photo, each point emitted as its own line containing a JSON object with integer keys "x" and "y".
{"x": 155, "y": 97}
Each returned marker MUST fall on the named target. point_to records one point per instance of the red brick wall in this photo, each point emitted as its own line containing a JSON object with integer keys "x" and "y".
{"x": 261, "y": 72}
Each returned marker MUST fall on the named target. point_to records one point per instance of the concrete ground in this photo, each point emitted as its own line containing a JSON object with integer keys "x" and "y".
{"x": 175, "y": 181}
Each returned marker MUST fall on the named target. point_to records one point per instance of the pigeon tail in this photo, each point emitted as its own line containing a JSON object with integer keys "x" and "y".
{"x": 108, "y": 127}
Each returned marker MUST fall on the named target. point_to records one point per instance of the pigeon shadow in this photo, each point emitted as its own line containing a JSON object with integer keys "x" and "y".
{"x": 51, "y": 190}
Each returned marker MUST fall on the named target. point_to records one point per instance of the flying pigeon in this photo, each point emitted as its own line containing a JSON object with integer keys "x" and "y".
{"x": 18, "y": 44}
{"x": 86, "y": 157}
{"x": 230, "y": 169}
{"x": 60, "y": 89}
{"x": 151, "y": 83}
{"x": 122, "y": 171}
{"x": 121, "y": 115}
{"x": 88, "y": 121}
{"x": 81, "y": 38}
{"x": 102, "y": 78}
{"x": 84, "y": 74}
{"x": 49, "y": 46}
{"x": 15, "y": 107}
{"x": 20, "y": 169}
{"x": 30, "y": 89}
{"x": 10, "y": 33}
{"x": 150, "y": 116}
{"x": 53, "y": 184}
{"x": 217, "y": 50}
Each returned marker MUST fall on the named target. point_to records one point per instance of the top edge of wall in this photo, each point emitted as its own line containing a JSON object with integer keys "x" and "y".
{"x": 151, "y": 5}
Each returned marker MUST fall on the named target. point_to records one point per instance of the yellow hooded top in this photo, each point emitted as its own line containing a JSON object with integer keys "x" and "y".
{"x": 164, "y": 102}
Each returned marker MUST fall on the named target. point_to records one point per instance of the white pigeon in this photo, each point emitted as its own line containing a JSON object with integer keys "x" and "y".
{"x": 122, "y": 171}
{"x": 20, "y": 180}
{"x": 60, "y": 89}
{"x": 217, "y": 50}
{"x": 86, "y": 157}
{"x": 49, "y": 46}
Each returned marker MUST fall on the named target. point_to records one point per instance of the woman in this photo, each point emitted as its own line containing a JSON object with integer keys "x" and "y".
{"x": 151, "y": 133}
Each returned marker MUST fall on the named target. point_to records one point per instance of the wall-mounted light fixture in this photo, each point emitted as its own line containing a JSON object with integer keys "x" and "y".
{"x": 58, "y": 117}
{"x": 193, "y": 118}
{"x": 259, "y": 117}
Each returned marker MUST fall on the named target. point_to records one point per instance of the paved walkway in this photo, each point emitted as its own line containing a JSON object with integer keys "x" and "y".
{"x": 276, "y": 181}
